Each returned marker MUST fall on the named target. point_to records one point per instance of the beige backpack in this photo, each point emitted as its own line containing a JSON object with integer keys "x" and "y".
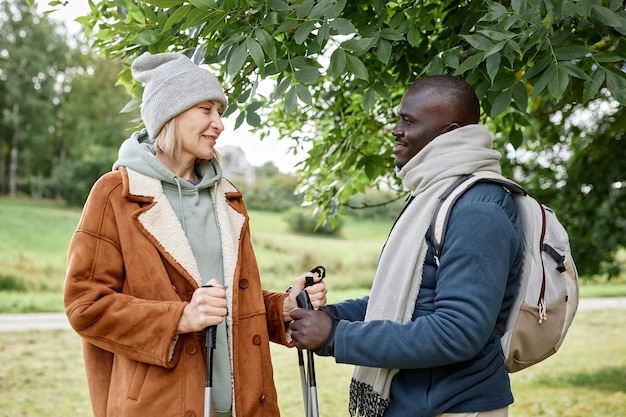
{"x": 547, "y": 299}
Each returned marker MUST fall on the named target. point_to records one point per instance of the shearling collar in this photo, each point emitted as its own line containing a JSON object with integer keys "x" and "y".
{"x": 160, "y": 222}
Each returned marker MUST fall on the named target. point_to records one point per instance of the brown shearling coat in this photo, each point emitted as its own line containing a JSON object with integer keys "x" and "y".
{"x": 130, "y": 274}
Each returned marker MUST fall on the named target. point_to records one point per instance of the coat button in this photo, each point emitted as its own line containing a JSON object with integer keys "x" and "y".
{"x": 262, "y": 399}
{"x": 256, "y": 339}
{"x": 191, "y": 349}
{"x": 243, "y": 283}
{"x": 190, "y": 413}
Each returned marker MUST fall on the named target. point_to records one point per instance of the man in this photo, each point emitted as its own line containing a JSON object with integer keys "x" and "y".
{"x": 425, "y": 341}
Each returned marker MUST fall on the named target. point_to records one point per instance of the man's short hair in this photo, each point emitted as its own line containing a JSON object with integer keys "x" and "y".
{"x": 452, "y": 92}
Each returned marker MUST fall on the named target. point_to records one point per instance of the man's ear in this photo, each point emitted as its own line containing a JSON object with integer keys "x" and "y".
{"x": 450, "y": 127}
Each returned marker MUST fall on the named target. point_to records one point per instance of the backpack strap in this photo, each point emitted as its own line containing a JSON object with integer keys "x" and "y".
{"x": 441, "y": 214}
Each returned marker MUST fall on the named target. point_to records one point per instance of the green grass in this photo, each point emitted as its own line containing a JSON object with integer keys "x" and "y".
{"x": 42, "y": 375}
{"x": 34, "y": 237}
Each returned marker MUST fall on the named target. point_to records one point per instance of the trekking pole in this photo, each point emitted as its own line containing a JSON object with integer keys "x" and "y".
{"x": 209, "y": 343}
{"x": 303, "y": 383}
{"x": 311, "y": 396}
{"x": 307, "y": 378}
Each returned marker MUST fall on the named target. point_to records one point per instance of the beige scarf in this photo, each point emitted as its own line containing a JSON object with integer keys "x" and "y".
{"x": 399, "y": 271}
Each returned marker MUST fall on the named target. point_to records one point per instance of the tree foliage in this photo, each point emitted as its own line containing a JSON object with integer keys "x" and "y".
{"x": 337, "y": 70}
{"x": 33, "y": 58}
{"x": 60, "y": 126}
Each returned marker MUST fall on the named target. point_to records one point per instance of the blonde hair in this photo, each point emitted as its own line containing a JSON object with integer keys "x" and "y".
{"x": 170, "y": 145}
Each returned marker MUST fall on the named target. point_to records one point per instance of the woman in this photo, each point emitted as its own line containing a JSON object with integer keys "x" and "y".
{"x": 163, "y": 251}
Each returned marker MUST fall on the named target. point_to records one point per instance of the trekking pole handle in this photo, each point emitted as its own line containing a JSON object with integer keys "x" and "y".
{"x": 209, "y": 340}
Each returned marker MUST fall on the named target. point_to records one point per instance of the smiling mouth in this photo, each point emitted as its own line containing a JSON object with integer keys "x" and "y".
{"x": 399, "y": 146}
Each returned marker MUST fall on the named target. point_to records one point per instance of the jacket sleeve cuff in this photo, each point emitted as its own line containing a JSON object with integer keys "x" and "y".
{"x": 274, "y": 313}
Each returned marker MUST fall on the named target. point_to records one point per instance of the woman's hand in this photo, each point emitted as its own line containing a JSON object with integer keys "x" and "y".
{"x": 317, "y": 294}
{"x": 207, "y": 308}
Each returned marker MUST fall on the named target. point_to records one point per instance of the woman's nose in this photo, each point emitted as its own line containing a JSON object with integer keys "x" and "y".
{"x": 218, "y": 124}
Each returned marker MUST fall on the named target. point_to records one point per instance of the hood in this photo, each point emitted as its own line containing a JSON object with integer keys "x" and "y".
{"x": 138, "y": 154}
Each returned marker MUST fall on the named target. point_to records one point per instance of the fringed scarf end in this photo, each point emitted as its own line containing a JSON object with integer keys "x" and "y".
{"x": 365, "y": 402}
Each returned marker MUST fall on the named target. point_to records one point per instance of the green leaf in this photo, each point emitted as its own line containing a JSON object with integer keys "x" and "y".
{"x": 135, "y": 12}
{"x": 478, "y": 41}
{"x": 435, "y": 67}
{"x": 368, "y": 99}
{"x": 240, "y": 118}
{"x": 539, "y": 66}
{"x": 266, "y": 42}
{"x": 540, "y": 85}
{"x": 282, "y": 87}
{"x": 608, "y": 16}
{"x": 286, "y": 26}
{"x": 256, "y": 52}
{"x": 304, "y": 9}
{"x": 278, "y": 5}
{"x": 616, "y": 83}
{"x": 583, "y": 8}
{"x": 414, "y": 35}
{"x": 147, "y": 37}
{"x": 495, "y": 49}
{"x": 237, "y": 59}
{"x": 253, "y": 119}
{"x": 495, "y": 13}
{"x": 493, "y": 65}
{"x": 307, "y": 75}
{"x": 496, "y": 35}
{"x": 336, "y": 10}
{"x": 304, "y": 94}
{"x": 356, "y": 67}
{"x": 291, "y": 100}
{"x": 520, "y": 96}
{"x": 202, "y": 4}
{"x": 501, "y": 103}
{"x": 558, "y": 81}
{"x": 573, "y": 70}
{"x": 608, "y": 56}
{"x": 131, "y": 106}
{"x": 342, "y": 26}
{"x": 470, "y": 63}
{"x": 515, "y": 136}
{"x": 176, "y": 17}
{"x": 391, "y": 34}
{"x": 567, "y": 53}
{"x": 303, "y": 31}
{"x": 382, "y": 90}
{"x": 320, "y": 9}
{"x": 357, "y": 45}
{"x": 518, "y": 5}
{"x": 593, "y": 84}
{"x": 337, "y": 62}
{"x": 384, "y": 51}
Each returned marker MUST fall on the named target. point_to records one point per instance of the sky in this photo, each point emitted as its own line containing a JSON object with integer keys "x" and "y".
{"x": 257, "y": 151}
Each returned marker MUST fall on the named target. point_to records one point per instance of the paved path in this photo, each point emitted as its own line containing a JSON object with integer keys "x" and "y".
{"x": 47, "y": 321}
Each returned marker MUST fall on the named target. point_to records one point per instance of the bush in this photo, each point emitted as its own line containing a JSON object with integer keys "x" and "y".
{"x": 302, "y": 220}
{"x": 276, "y": 193}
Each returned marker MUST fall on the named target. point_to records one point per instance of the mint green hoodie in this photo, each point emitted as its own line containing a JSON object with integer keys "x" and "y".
{"x": 195, "y": 209}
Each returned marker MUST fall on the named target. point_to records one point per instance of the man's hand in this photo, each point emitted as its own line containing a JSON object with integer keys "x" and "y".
{"x": 317, "y": 294}
{"x": 312, "y": 329}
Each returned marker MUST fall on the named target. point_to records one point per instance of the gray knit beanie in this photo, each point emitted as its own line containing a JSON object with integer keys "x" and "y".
{"x": 173, "y": 84}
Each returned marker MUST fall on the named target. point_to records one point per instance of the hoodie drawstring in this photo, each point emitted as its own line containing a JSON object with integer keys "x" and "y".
{"x": 180, "y": 201}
